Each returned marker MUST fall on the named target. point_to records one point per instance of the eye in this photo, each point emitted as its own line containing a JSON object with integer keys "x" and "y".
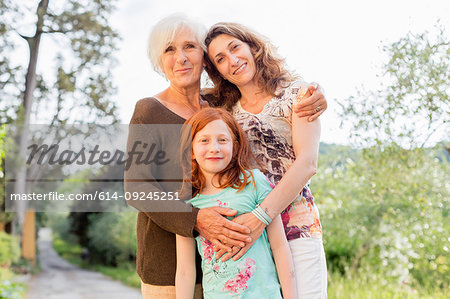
{"x": 235, "y": 46}
{"x": 169, "y": 49}
{"x": 190, "y": 46}
{"x": 219, "y": 60}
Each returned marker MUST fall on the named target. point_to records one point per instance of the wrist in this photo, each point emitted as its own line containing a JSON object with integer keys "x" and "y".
{"x": 259, "y": 213}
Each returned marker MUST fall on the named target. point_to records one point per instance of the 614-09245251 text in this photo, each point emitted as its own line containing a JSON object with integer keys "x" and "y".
{"x": 98, "y": 195}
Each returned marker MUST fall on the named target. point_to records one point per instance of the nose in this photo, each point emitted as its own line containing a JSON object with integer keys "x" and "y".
{"x": 214, "y": 147}
{"x": 234, "y": 60}
{"x": 181, "y": 56}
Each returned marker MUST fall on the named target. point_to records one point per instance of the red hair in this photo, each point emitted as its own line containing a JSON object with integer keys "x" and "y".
{"x": 241, "y": 158}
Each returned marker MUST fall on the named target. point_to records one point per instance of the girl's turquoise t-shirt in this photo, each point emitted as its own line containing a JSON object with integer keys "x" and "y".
{"x": 252, "y": 276}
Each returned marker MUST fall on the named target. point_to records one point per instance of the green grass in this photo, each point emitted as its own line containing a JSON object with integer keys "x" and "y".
{"x": 126, "y": 273}
{"x": 372, "y": 287}
{"x": 339, "y": 287}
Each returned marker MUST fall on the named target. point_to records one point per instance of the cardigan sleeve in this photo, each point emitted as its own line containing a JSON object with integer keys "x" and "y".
{"x": 145, "y": 179}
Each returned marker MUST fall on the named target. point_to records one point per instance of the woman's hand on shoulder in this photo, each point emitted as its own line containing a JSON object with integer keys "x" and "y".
{"x": 312, "y": 104}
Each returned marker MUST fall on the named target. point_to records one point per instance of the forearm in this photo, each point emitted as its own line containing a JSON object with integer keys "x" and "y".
{"x": 282, "y": 257}
{"x": 286, "y": 272}
{"x": 185, "y": 284}
{"x": 185, "y": 274}
{"x": 293, "y": 181}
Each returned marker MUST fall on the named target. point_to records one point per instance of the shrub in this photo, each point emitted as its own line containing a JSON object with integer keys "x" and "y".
{"x": 9, "y": 249}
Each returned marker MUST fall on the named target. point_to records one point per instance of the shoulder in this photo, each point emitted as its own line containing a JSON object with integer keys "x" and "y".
{"x": 148, "y": 111}
{"x": 147, "y": 104}
{"x": 259, "y": 177}
{"x": 292, "y": 90}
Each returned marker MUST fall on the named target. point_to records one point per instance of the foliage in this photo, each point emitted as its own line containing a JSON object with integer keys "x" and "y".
{"x": 112, "y": 237}
{"x": 388, "y": 210}
{"x": 9, "y": 253}
{"x": 79, "y": 87}
{"x": 124, "y": 272}
{"x": 373, "y": 285}
{"x": 385, "y": 210}
{"x": 412, "y": 106}
{"x": 11, "y": 290}
{"x": 9, "y": 249}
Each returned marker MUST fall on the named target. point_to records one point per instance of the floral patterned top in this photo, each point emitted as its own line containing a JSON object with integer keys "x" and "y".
{"x": 270, "y": 136}
{"x": 252, "y": 276}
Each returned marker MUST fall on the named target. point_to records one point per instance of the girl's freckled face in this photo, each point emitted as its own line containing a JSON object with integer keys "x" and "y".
{"x": 212, "y": 147}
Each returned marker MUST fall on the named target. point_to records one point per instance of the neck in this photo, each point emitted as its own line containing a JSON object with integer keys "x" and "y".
{"x": 211, "y": 184}
{"x": 252, "y": 94}
{"x": 188, "y": 96}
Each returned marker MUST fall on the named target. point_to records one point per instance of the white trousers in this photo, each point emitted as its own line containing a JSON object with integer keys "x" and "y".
{"x": 310, "y": 268}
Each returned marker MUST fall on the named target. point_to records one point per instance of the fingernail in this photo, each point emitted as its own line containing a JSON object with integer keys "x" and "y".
{"x": 242, "y": 244}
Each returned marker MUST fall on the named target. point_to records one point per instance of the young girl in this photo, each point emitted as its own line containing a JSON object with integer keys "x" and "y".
{"x": 222, "y": 176}
{"x": 253, "y": 82}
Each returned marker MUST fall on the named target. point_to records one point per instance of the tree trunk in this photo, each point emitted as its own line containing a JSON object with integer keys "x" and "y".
{"x": 20, "y": 186}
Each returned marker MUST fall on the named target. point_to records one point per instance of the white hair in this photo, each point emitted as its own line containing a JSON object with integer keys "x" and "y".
{"x": 163, "y": 33}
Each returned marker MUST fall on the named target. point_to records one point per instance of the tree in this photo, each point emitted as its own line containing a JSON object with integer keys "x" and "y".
{"x": 79, "y": 88}
{"x": 394, "y": 194}
{"x": 412, "y": 106}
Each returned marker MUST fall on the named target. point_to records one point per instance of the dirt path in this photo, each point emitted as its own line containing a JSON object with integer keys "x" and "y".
{"x": 61, "y": 280}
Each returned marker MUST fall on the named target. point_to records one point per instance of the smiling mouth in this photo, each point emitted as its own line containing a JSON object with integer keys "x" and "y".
{"x": 239, "y": 69}
{"x": 182, "y": 70}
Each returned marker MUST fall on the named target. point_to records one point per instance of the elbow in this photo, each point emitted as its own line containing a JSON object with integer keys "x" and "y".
{"x": 308, "y": 165}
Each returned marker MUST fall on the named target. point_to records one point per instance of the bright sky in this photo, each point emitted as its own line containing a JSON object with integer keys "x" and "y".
{"x": 334, "y": 43}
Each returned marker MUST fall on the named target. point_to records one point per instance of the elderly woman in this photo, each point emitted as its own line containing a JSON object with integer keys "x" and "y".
{"x": 176, "y": 50}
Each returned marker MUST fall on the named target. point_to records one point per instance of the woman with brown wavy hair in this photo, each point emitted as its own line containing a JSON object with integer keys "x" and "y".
{"x": 253, "y": 82}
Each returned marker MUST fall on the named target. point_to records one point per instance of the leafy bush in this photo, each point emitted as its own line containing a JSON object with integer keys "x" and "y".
{"x": 386, "y": 209}
{"x": 112, "y": 237}
{"x": 9, "y": 249}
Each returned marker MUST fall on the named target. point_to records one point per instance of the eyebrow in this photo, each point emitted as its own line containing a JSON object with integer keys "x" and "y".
{"x": 220, "y": 53}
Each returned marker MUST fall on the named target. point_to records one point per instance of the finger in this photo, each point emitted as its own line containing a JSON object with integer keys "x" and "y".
{"x": 220, "y": 246}
{"x": 226, "y": 256}
{"x": 308, "y": 101}
{"x": 315, "y": 85}
{"x": 309, "y": 113}
{"x": 220, "y": 253}
{"x": 241, "y": 252}
{"x": 236, "y": 227}
{"x": 225, "y": 211}
{"x": 235, "y": 236}
{"x": 234, "y": 251}
{"x": 301, "y": 112}
{"x": 231, "y": 242}
{"x": 312, "y": 118}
